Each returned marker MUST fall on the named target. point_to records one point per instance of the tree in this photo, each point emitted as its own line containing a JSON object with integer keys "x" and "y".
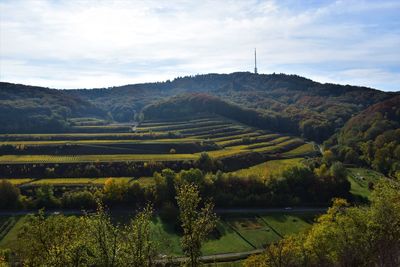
{"x": 138, "y": 248}
{"x": 115, "y": 191}
{"x": 196, "y": 223}
{"x": 91, "y": 240}
{"x": 56, "y": 240}
{"x": 3, "y": 258}
{"x": 9, "y": 195}
{"x": 205, "y": 162}
{"x": 104, "y": 239}
{"x": 345, "y": 236}
{"x": 328, "y": 157}
{"x": 338, "y": 170}
{"x": 45, "y": 197}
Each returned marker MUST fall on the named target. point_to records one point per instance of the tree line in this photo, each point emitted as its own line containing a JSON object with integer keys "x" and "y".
{"x": 313, "y": 184}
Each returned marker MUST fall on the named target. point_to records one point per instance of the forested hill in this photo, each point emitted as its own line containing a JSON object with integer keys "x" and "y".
{"x": 37, "y": 109}
{"x": 372, "y": 138}
{"x": 316, "y": 109}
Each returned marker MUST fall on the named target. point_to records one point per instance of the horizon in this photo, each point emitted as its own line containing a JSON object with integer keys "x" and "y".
{"x": 198, "y": 74}
{"x": 74, "y": 44}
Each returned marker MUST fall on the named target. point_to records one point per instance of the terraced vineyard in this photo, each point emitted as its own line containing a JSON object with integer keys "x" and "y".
{"x": 151, "y": 141}
{"x": 28, "y": 182}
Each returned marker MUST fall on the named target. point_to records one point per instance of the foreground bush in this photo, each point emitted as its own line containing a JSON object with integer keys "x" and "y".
{"x": 345, "y": 236}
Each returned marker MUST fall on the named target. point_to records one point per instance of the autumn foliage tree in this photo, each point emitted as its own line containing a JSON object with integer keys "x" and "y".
{"x": 345, "y": 236}
{"x": 196, "y": 223}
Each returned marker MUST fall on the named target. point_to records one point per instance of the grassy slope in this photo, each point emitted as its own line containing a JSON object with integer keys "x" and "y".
{"x": 272, "y": 167}
{"x": 359, "y": 179}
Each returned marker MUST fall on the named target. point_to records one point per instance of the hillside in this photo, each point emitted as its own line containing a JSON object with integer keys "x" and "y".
{"x": 315, "y": 110}
{"x": 196, "y": 103}
{"x": 372, "y": 137}
{"x": 37, "y": 109}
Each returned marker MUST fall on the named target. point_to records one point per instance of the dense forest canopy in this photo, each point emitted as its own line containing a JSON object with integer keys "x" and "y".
{"x": 372, "y": 138}
{"x": 309, "y": 108}
{"x": 37, "y": 109}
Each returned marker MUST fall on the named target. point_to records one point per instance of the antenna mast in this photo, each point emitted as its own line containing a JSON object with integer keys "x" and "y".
{"x": 255, "y": 60}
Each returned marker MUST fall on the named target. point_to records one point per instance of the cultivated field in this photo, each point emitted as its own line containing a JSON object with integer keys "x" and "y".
{"x": 151, "y": 141}
{"x": 30, "y": 182}
{"x": 269, "y": 168}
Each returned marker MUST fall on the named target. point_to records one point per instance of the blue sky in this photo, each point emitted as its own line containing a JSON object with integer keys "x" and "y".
{"x": 86, "y": 44}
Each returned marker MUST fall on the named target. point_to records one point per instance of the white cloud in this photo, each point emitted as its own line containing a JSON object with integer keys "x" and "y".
{"x": 102, "y": 43}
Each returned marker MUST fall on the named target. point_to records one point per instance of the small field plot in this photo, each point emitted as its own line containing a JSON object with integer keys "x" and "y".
{"x": 301, "y": 150}
{"x": 225, "y": 240}
{"x": 286, "y": 224}
{"x": 252, "y": 230}
{"x": 269, "y": 168}
{"x": 9, "y": 240}
{"x": 361, "y": 179}
{"x": 17, "y": 181}
{"x": 6, "y": 224}
{"x": 87, "y": 121}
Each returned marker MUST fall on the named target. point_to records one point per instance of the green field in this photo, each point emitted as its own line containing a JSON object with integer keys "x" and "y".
{"x": 269, "y": 168}
{"x": 236, "y": 233}
{"x": 9, "y": 240}
{"x": 360, "y": 178}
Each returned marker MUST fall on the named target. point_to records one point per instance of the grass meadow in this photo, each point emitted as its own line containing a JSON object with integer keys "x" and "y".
{"x": 235, "y": 232}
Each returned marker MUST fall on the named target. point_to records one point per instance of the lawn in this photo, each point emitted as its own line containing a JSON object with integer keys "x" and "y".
{"x": 359, "y": 179}
{"x": 269, "y": 168}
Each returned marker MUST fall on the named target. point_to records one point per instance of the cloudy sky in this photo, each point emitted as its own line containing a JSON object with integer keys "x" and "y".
{"x": 86, "y": 44}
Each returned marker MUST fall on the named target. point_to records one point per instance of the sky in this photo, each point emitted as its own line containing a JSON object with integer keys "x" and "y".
{"x": 89, "y": 44}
